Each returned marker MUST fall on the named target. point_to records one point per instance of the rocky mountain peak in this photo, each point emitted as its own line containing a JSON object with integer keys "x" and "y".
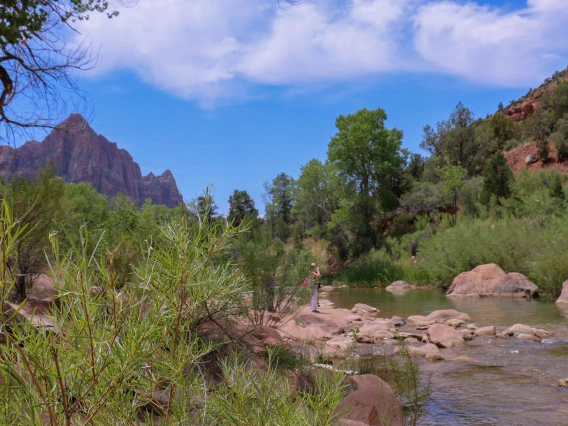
{"x": 82, "y": 155}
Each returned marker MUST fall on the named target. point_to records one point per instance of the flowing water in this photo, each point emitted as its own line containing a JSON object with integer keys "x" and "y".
{"x": 510, "y": 381}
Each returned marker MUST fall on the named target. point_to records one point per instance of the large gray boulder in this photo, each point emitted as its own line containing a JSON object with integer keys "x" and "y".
{"x": 491, "y": 280}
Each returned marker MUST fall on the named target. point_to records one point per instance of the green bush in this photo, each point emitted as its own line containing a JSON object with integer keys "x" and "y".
{"x": 510, "y": 244}
{"x": 373, "y": 268}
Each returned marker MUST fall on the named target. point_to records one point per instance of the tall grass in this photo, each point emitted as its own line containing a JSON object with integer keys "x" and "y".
{"x": 377, "y": 268}
{"x": 533, "y": 247}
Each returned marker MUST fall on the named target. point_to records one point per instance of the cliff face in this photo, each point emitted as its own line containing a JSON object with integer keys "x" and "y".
{"x": 81, "y": 155}
{"x": 522, "y": 108}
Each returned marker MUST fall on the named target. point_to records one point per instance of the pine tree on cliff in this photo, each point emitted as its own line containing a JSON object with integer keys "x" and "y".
{"x": 498, "y": 178}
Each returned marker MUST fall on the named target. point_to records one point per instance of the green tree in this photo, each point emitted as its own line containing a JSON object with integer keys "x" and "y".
{"x": 416, "y": 166}
{"x": 316, "y": 192}
{"x": 84, "y": 205}
{"x": 454, "y": 139}
{"x": 453, "y": 179}
{"x": 503, "y": 129}
{"x": 561, "y": 140}
{"x": 539, "y": 127}
{"x": 204, "y": 207}
{"x": 370, "y": 159}
{"x": 559, "y": 100}
{"x": 241, "y": 205}
{"x": 37, "y": 206}
{"x": 425, "y": 198}
{"x": 556, "y": 188}
{"x": 498, "y": 178}
{"x": 278, "y": 199}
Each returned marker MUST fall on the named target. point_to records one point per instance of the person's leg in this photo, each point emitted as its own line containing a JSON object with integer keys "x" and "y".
{"x": 314, "y": 301}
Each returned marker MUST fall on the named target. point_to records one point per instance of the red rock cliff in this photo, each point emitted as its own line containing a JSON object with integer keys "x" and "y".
{"x": 81, "y": 155}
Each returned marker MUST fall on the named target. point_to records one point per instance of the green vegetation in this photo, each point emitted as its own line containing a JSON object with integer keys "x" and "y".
{"x": 124, "y": 352}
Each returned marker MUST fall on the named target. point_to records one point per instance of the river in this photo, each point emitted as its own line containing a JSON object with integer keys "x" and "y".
{"x": 511, "y": 381}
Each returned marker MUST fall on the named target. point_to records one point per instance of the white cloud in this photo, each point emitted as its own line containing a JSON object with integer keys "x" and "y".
{"x": 485, "y": 44}
{"x": 210, "y": 50}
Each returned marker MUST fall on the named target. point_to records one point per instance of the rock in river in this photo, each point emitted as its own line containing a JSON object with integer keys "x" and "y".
{"x": 563, "y": 299}
{"x": 491, "y": 280}
{"x": 444, "y": 336}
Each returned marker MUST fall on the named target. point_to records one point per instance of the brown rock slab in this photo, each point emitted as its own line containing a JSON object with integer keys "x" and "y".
{"x": 371, "y": 401}
{"x": 428, "y": 348}
{"x": 399, "y": 286}
{"x": 563, "y": 298}
{"x": 320, "y": 320}
{"x": 440, "y": 316}
{"x": 491, "y": 280}
{"x": 363, "y": 308}
{"x": 466, "y": 334}
{"x": 485, "y": 331}
{"x": 523, "y": 329}
{"x": 444, "y": 336}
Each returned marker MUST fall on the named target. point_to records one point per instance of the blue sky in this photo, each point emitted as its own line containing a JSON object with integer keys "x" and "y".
{"x": 233, "y": 92}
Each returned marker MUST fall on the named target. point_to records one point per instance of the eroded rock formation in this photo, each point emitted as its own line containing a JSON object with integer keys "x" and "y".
{"x": 81, "y": 155}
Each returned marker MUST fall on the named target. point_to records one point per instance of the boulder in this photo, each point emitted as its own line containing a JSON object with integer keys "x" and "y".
{"x": 454, "y": 322}
{"x": 371, "y": 401}
{"x": 428, "y": 348}
{"x": 14, "y": 315}
{"x": 361, "y": 308}
{"x": 303, "y": 350}
{"x": 336, "y": 352}
{"x": 563, "y": 299}
{"x": 466, "y": 334}
{"x": 424, "y": 325}
{"x": 525, "y": 330}
{"x": 340, "y": 342}
{"x": 324, "y": 303}
{"x": 327, "y": 324}
{"x": 304, "y": 334}
{"x": 399, "y": 286}
{"x": 437, "y": 317}
{"x": 406, "y": 335}
{"x": 444, "y": 336}
{"x": 318, "y": 333}
{"x": 491, "y": 280}
{"x": 377, "y": 330}
{"x": 485, "y": 331}
{"x": 531, "y": 159}
{"x": 562, "y": 382}
{"x": 352, "y": 318}
{"x": 524, "y": 336}
{"x": 364, "y": 338}
{"x": 434, "y": 357}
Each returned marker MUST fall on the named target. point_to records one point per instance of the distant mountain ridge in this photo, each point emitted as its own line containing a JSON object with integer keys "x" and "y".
{"x": 82, "y": 155}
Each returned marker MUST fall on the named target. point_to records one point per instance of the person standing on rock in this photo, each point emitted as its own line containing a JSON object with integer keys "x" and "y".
{"x": 314, "y": 285}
